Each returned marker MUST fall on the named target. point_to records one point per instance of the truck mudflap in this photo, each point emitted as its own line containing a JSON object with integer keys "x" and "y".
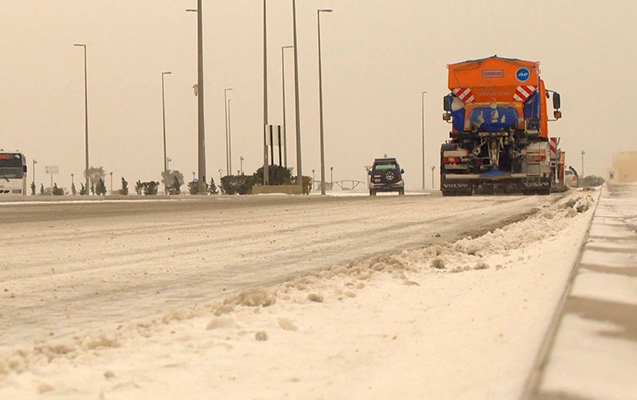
{"x": 493, "y": 183}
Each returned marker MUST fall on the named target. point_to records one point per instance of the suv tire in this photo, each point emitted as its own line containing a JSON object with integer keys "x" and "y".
{"x": 390, "y": 177}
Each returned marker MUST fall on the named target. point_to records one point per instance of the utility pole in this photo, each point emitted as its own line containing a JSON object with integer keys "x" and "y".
{"x": 299, "y": 164}
{"x": 423, "y": 139}
{"x": 266, "y": 163}
{"x": 201, "y": 134}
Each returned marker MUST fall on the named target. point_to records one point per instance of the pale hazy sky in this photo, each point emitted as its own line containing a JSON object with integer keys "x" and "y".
{"x": 378, "y": 56}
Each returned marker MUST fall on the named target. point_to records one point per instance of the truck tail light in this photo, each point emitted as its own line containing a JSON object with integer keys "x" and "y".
{"x": 451, "y": 160}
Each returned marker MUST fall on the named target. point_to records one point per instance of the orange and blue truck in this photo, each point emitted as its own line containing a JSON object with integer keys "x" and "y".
{"x": 499, "y": 140}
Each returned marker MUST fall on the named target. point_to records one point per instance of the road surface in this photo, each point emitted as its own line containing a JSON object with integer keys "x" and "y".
{"x": 85, "y": 264}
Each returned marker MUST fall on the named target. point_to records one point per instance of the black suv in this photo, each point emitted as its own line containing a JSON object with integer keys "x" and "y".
{"x": 386, "y": 176}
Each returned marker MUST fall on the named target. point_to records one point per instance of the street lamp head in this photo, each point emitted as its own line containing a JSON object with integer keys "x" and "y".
{"x": 327, "y": 10}
{"x": 166, "y": 73}
{"x": 191, "y": 10}
{"x": 289, "y": 46}
{"x": 79, "y": 44}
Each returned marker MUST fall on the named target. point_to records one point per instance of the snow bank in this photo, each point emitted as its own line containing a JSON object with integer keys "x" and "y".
{"x": 455, "y": 320}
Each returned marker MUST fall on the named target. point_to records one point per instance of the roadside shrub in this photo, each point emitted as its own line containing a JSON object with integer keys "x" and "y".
{"x": 307, "y": 184}
{"x": 150, "y": 188}
{"x": 124, "y": 190}
{"x": 57, "y": 191}
{"x": 100, "y": 189}
{"x": 193, "y": 187}
{"x": 237, "y": 184}
{"x": 176, "y": 187}
{"x": 277, "y": 175}
{"x": 591, "y": 180}
{"x": 213, "y": 189}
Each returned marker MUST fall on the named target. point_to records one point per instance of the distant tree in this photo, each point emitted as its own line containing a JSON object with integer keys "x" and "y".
{"x": 32, "y": 188}
{"x": 93, "y": 188}
{"x": 100, "y": 188}
{"x": 73, "y": 189}
{"x": 150, "y": 188}
{"x": 41, "y": 188}
{"x": 176, "y": 186}
{"x": 56, "y": 191}
{"x": 124, "y": 190}
{"x": 82, "y": 189}
{"x": 213, "y": 189}
{"x": 94, "y": 174}
{"x": 138, "y": 187}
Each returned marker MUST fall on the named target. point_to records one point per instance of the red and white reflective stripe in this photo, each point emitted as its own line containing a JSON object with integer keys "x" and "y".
{"x": 464, "y": 94}
{"x": 523, "y": 92}
{"x": 553, "y": 147}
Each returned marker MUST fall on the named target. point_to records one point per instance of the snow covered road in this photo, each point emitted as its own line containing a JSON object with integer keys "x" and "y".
{"x": 85, "y": 267}
{"x": 148, "y": 303}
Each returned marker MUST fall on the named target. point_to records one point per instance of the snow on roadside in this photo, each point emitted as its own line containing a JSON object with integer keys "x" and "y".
{"x": 459, "y": 320}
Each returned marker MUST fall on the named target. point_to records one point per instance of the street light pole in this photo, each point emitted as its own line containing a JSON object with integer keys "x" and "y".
{"x": 229, "y": 139}
{"x": 423, "y": 139}
{"x": 225, "y": 100}
{"x": 34, "y": 162}
{"x": 111, "y": 182}
{"x": 241, "y": 161}
{"x": 201, "y": 135}
{"x": 85, "y": 114}
{"x": 299, "y": 172}
{"x": 583, "y": 176}
{"x": 163, "y": 108}
{"x": 266, "y": 164}
{"x": 285, "y": 130}
{"x": 432, "y": 175}
{"x": 318, "y": 17}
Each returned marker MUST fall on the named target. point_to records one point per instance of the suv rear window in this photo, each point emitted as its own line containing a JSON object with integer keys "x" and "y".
{"x": 384, "y": 167}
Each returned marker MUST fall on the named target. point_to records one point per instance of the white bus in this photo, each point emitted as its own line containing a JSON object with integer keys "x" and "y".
{"x": 13, "y": 173}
